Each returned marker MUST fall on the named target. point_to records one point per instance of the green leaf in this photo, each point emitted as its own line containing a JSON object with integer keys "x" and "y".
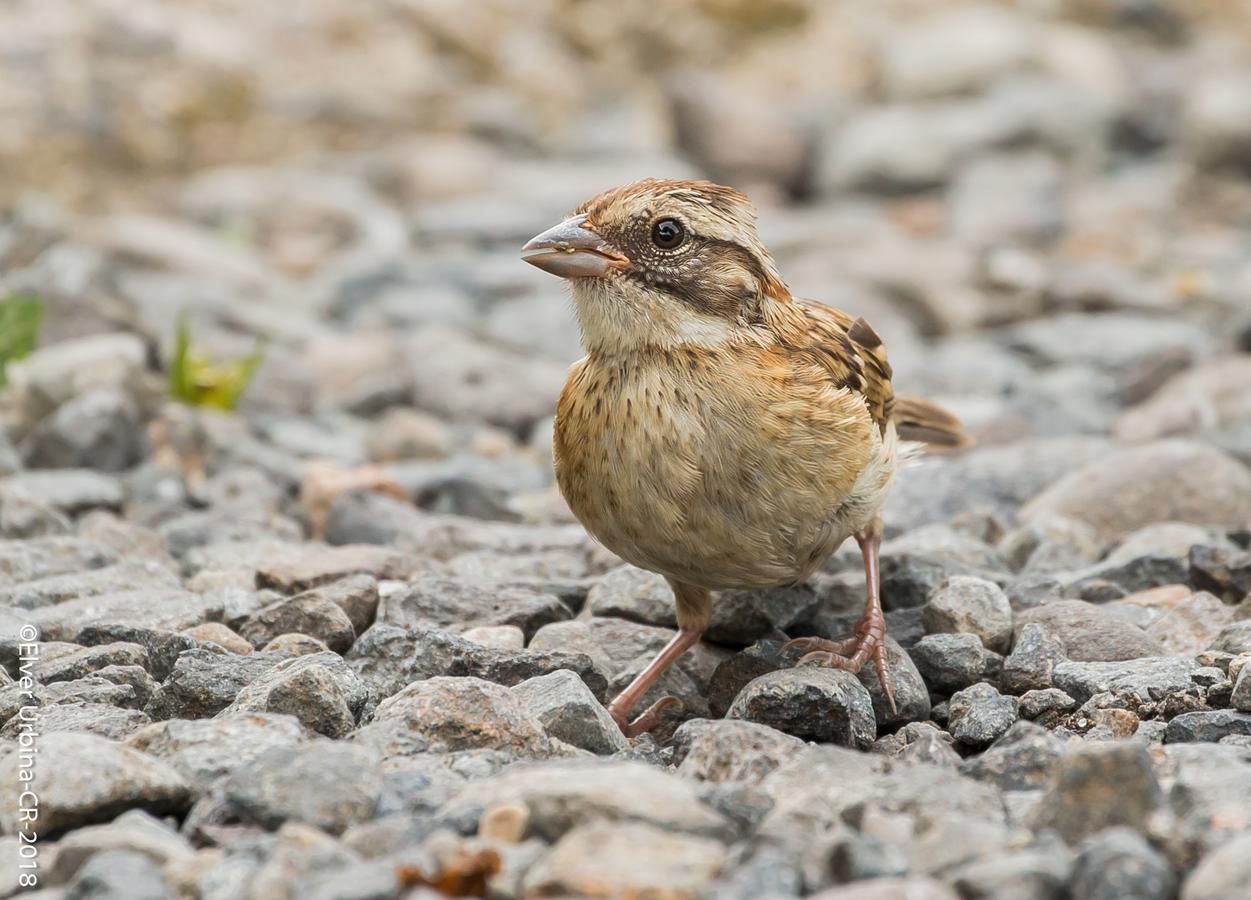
{"x": 20, "y": 318}
{"x": 196, "y": 380}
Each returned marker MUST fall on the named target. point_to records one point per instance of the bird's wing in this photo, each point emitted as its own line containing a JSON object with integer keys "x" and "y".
{"x": 848, "y": 349}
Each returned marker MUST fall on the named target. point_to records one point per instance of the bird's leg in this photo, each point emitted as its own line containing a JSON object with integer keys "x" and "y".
{"x": 694, "y": 610}
{"x": 870, "y": 640}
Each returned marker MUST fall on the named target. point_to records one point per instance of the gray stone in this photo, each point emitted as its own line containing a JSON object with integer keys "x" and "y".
{"x": 126, "y": 575}
{"x": 1149, "y": 678}
{"x": 319, "y": 689}
{"x": 562, "y": 794}
{"x": 826, "y": 705}
{"x": 629, "y": 858}
{"x": 45, "y": 557}
{"x": 434, "y": 602}
{"x": 1031, "y": 874}
{"x": 99, "y": 429}
{"x": 965, "y": 604}
{"x": 1223, "y": 874}
{"x": 1207, "y": 725}
{"x": 203, "y": 683}
{"x": 569, "y": 711}
{"x": 166, "y": 610}
{"x": 733, "y": 674}
{"x": 979, "y": 714}
{"x": 1164, "y": 481}
{"x": 309, "y": 613}
{"x": 730, "y": 750}
{"x": 1097, "y": 786}
{"x": 118, "y": 875}
{"x": 1031, "y": 664}
{"x": 446, "y": 715}
{"x": 135, "y": 831}
{"x": 69, "y": 491}
{"x": 87, "y": 718}
{"x": 162, "y": 646}
{"x": 1038, "y": 704}
{"x": 388, "y": 658}
{"x": 356, "y": 595}
{"x": 82, "y": 779}
{"x": 328, "y": 785}
{"x": 1020, "y": 760}
{"x": 1233, "y": 638}
{"x": 81, "y": 662}
{"x": 1240, "y": 699}
{"x": 949, "y": 662}
{"x": 55, "y": 374}
{"x": 889, "y": 889}
{"x": 1090, "y": 633}
{"x": 207, "y": 750}
{"x": 1118, "y": 862}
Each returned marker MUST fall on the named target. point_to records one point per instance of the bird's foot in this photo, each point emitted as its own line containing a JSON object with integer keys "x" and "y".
{"x": 645, "y": 722}
{"x": 851, "y": 654}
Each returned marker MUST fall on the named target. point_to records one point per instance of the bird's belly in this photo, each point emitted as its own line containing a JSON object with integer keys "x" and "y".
{"x": 669, "y": 487}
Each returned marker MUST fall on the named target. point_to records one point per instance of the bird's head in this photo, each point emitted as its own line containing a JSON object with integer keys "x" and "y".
{"x": 661, "y": 263}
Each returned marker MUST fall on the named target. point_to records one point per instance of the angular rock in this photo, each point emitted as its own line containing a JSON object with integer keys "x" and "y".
{"x": 356, "y": 595}
{"x": 99, "y": 429}
{"x": 733, "y": 674}
{"x": 329, "y": 785}
{"x": 206, "y": 751}
{"x": 1020, "y": 760}
{"x": 1171, "y": 480}
{"x": 163, "y": 647}
{"x": 949, "y": 662}
{"x": 1207, "y": 725}
{"x": 1118, "y": 862}
{"x": 730, "y": 750}
{"x": 826, "y": 705}
{"x": 965, "y": 604}
{"x": 1032, "y": 663}
{"x": 1149, "y": 678}
{"x": 445, "y": 715}
{"x": 85, "y": 718}
{"x": 1222, "y": 874}
{"x": 1037, "y": 704}
{"x": 135, "y": 831}
{"x": 53, "y": 589}
{"x": 568, "y": 710}
{"x": 203, "y": 683}
{"x": 119, "y": 875}
{"x": 45, "y": 557}
{"x": 601, "y": 859}
{"x": 81, "y": 662}
{"x": 319, "y": 689}
{"x": 68, "y": 491}
{"x": 979, "y": 714}
{"x": 147, "y": 609}
{"x": 1224, "y": 572}
{"x": 221, "y": 635}
{"x": 434, "y": 602}
{"x": 1233, "y": 638}
{"x": 82, "y": 779}
{"x": 1191, "y": 625}
{"x": 309, "y": 613}
{"x": 388, "y": 658}
{"x": 1097, "y": 786}
{"x": 1240, "y": 699}
{"x": 1090, "y": 633}
{"x": 307, "y": 566}
{"x": 563, "y": 794}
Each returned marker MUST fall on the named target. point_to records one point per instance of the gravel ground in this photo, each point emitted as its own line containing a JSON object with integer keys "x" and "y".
{"x": 346, "y": 641}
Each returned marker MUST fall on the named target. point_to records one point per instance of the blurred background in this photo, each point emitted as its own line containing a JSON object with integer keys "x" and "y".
{"x": 310, "y": 213}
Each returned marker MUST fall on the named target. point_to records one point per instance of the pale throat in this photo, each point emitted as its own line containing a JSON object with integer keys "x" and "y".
{"x": 613, "y": 322}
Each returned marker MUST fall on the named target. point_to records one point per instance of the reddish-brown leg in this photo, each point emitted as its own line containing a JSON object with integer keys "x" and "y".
{"x": 694, "y": 610}
{"x": 869, "y": 642}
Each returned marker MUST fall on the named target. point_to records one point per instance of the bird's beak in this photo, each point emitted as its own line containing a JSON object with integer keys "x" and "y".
{"x": 571, "y": 250}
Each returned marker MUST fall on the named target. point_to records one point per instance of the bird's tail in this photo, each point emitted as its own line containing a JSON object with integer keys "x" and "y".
{"x": 920, "y": 420}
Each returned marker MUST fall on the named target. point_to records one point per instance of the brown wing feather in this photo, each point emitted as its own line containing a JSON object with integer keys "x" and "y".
{"x": 848, "y": 349}
{"x": 855, "y": 357}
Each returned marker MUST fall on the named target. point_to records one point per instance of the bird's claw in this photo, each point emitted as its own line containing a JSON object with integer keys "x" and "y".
{"x": 647, "y": 720}
{"x": 850, "y": 655}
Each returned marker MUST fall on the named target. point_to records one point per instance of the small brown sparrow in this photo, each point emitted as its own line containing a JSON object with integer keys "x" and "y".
{"x": 718, "y": 430}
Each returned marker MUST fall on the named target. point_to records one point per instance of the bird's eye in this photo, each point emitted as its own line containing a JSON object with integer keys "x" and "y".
{"x": 668, "y": 234}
